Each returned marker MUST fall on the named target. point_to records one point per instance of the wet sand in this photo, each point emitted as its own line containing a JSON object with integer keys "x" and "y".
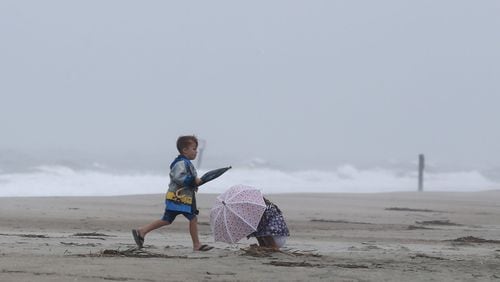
{"x": 430, "y": 236}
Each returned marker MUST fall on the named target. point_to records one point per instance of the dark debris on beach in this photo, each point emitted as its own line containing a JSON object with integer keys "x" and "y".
{"x": 134, "y": 253}
{"x": 438, "y": 222}
{"x": 338, "y": 221}
{"x": 417, "y": 227}
{"x": 91, "y": 234}
{"x": 26, "y": 235}
{"x": 472, "y": 239}
{"x": 257, "y": 251}
{"x": 409, "y": 209}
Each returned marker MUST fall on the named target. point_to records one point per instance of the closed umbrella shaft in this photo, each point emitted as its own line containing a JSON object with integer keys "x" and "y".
{"x": 211, "y": 175}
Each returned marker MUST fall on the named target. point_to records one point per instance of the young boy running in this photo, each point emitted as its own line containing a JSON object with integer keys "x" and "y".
{"x": 180, "y": 198}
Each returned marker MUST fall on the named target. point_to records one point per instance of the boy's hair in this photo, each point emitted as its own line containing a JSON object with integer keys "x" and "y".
{"x": 185, "y": 141}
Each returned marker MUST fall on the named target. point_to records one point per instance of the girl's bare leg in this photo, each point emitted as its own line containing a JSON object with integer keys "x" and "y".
{"x": 261, "y": 242}
{"x": 269, "y": 242}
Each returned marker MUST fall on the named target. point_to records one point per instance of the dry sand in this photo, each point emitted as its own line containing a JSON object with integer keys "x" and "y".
{"x": 334, "y": 237}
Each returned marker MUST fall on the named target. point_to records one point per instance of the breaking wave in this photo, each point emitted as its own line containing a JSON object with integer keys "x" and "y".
{"x": 66, "y": 181}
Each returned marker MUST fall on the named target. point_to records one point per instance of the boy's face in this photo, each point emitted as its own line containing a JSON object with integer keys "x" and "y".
{"x": 190, "y": 151}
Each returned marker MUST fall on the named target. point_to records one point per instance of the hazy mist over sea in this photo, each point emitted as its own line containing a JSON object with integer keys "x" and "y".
{"x": 297, "y": 96}
{"x": 70, "y": 174}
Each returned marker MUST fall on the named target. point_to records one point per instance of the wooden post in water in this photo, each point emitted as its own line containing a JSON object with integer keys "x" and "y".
{"x": 421, "y": 165}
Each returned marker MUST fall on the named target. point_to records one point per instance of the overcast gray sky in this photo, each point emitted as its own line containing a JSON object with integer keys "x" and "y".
{"x": 287, "y": 81}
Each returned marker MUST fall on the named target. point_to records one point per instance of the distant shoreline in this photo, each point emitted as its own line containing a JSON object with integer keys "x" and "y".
{"x": 277, "y": 194}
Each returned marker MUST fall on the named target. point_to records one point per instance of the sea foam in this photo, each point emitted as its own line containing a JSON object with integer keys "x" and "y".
{"x": 65, "y": 181}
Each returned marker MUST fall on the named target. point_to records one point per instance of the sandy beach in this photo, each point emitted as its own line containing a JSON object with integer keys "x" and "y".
{"x": 430, "y": 236}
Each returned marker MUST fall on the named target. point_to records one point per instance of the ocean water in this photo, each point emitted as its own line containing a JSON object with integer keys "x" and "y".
{"x": 61, "y": 180}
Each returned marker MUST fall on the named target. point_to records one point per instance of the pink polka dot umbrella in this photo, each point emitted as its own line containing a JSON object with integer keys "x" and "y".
{"x": 236, "y": 213}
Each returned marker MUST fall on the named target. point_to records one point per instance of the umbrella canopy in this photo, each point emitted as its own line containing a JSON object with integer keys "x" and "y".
{"x": 211, "y": 175}
{"x": 236, "y": 213}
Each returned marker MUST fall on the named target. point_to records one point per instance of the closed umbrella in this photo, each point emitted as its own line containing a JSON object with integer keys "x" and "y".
{"x": 211, "y": 175}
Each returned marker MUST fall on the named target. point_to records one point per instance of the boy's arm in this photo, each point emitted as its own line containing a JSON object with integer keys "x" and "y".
{"x": 182, "y": 176}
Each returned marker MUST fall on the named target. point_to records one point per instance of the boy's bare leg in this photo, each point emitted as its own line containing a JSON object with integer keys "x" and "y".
{"x": 193, "y": 230}
{"x": 152, "y": 226}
